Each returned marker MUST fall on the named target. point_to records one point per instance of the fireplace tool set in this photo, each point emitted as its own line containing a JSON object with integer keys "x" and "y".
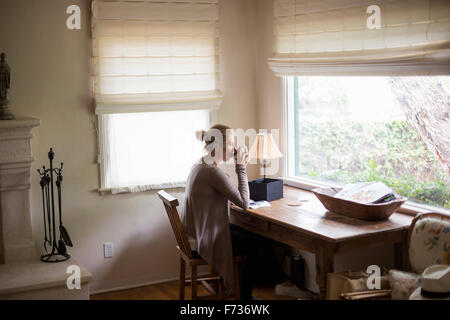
{"x": 57, "y": 247}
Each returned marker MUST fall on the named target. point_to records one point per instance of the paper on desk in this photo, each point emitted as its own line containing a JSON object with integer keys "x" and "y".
{"x": 365, "y": 192}
{"x": 258, "y": 204}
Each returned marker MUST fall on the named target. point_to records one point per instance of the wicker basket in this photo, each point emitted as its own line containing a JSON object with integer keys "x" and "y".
{"x": 373, "y": 211}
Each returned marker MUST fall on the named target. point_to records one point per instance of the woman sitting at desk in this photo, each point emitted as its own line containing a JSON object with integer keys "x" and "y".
{"x": 205, "y": 212}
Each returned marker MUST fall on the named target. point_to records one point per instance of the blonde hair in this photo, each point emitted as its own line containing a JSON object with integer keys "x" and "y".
{"x": 208, "y": 137}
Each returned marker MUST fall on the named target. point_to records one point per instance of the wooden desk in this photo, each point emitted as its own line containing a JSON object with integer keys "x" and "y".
{"x": 312, "y": 228}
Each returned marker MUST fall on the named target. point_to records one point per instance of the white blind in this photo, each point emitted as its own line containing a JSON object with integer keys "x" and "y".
{"x": 319, "y": 36}
{"x": 155, "y": 55}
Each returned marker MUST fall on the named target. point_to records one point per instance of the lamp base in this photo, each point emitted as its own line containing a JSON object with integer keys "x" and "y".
{"x": 266, "y": 189}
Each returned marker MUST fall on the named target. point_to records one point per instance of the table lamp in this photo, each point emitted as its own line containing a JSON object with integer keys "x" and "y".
{"x": 264, "y": 149}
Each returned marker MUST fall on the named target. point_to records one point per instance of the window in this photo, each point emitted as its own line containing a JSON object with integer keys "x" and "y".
{"x": 151, "y": 150}
{"x": 350, "y": 129}
{"x": 371, "y": 102}
{"x": 156, "y": 80}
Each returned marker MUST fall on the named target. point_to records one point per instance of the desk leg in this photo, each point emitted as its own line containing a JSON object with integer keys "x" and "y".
{"x": 401, "y": 253}
{"x": 324, "y": 265}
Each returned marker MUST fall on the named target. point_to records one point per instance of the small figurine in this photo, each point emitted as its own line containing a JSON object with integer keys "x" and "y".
{"x": 5, "y": 80}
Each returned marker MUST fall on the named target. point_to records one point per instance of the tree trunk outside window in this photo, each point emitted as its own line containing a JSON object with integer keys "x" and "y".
{"x": 427, "y": 107}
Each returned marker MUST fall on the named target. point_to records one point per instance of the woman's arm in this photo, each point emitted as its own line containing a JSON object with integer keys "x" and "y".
{"x": 222, "y": 183}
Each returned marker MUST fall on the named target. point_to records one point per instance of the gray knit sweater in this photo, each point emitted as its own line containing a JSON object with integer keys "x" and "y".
{"x": 205, "y": 214}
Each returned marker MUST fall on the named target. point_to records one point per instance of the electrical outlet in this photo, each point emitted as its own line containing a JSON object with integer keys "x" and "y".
{"x": 108, "y": 249}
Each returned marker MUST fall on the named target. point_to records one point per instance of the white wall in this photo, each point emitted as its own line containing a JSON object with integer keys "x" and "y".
{"x": 51, "y": 81}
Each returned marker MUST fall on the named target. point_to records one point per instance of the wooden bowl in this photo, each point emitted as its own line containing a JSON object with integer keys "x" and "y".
{"x": 373, "y": 211}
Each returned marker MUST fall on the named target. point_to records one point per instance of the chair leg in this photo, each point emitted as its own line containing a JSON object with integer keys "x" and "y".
{"x": 182, "y": 278}
{"x": 221, "y": 289}
{"x": 237, "y": 288}
{"x": 194, "y": 283}
{"x": 214, "y": 285}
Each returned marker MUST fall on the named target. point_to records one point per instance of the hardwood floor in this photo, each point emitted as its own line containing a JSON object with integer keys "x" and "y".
{"x": 169, "y": 291}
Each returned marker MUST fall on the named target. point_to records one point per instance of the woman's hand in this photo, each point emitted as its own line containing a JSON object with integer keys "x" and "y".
{"x": 241, "y": 156}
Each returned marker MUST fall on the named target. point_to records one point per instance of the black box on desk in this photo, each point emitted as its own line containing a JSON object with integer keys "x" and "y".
{"x": 266, "y": 189}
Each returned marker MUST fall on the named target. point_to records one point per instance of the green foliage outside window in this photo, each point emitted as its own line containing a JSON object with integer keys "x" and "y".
{"x": 392, "y": 152}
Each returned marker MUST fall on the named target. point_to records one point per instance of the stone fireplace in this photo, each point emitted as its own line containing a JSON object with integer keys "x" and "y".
{"x": 15, "y": 183}
{"x": 22, "y": 274}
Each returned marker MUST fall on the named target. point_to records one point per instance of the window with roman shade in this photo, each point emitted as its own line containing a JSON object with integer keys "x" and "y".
{"x": 156, "y": 81}
{"x": 155, "y": 55}
{"x": 335, "y": 60}
{"x": 332, "y": 37}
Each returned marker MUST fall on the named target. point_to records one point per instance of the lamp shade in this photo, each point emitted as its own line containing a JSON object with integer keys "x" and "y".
{"x": 264, "y": 148}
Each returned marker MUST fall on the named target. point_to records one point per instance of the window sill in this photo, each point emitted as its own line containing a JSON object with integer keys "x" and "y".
{"x": 410, "y": 207}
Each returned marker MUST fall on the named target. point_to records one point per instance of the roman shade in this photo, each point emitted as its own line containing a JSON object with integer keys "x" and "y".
{"x": 333, "y": 37}
{"x": 155, "y": 55}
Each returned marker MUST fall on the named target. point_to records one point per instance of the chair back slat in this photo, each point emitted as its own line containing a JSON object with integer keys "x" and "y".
{"x": 170, "y": 204}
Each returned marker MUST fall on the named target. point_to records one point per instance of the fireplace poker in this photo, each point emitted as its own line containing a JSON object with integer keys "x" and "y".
{"x": 46, "y": 241}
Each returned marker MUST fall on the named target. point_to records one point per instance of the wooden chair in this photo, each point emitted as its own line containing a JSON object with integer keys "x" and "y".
{"x": 386, "y": 294}
{"x": 212, "y": 282}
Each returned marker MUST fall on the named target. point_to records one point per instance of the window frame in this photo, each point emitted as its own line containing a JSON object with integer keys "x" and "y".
{"x": 102, "y": 152}
{"x": 289, "y": 177}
